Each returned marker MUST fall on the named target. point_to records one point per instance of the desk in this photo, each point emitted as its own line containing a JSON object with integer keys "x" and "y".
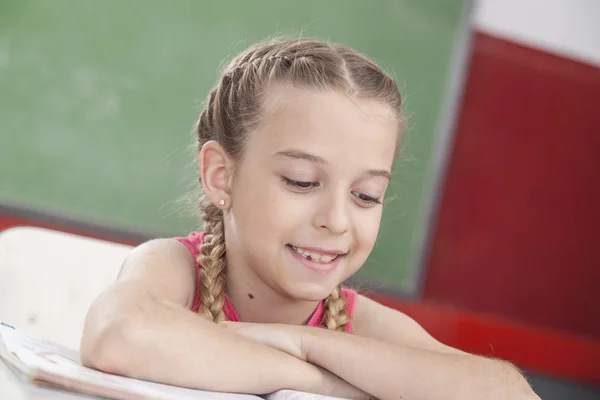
{"x": 46, "y": 293}
{"x": 13, "y": 387}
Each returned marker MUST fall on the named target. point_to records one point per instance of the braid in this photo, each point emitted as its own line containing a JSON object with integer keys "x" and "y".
{"x": 335, "y": 317}
{"x": 212, "y": 266}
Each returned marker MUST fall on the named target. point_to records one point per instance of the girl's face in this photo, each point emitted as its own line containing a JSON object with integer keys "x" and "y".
{"x": 306, "y": 198}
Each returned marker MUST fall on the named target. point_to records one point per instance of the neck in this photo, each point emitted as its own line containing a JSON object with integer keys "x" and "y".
{"x": 257, "y": 302}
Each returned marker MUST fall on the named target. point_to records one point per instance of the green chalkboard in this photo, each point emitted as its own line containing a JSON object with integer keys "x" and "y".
{"x": 98, "y": 99}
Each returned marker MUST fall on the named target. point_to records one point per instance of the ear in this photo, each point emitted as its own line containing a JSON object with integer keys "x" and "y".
{"x": 216, "y": 173}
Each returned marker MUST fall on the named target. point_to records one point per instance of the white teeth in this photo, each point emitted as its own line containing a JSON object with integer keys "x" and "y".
{"x": 326, "y": 259}
{"x": 320, "y": 258}
{"x": 315, "y": 257}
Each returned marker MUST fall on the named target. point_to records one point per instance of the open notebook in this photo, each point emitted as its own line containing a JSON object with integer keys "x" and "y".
{"x": 46, "y": 363}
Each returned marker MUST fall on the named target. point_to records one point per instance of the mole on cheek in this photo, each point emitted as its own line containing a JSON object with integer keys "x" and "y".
{"x": 250, "y": 295}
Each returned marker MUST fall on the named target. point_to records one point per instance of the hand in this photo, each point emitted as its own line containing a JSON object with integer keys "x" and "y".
{"x": 286, "y": 338}
{"x": 289, "y": 339}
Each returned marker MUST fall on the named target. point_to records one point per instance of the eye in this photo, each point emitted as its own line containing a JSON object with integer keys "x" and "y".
{"x": 300, "y": 185}
{"x": 366, "y": 199}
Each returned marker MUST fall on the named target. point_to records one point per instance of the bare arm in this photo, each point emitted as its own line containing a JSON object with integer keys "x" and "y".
{"x": 142, "y": 327}
{"x": 391, "y": 357}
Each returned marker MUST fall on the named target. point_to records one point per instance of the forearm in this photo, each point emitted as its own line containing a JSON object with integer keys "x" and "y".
{"x": 168, "y": 344}
{"x": 391, "y": 372}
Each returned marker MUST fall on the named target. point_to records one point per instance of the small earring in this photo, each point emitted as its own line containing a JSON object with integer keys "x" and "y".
{"x": 221, "y": 202}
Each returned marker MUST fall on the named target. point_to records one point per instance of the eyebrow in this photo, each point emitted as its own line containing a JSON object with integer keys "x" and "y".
{"x": 380, "y": 172}
{"x": 302, "y": 155}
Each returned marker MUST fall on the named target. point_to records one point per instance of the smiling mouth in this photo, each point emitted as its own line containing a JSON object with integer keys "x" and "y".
{"x": 313, "y": 256}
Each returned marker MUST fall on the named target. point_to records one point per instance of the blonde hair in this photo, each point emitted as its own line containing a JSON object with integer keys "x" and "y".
{"x": 232, "y": 110}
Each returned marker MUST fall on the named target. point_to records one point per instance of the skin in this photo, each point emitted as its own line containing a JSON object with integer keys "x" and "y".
{"x": 313, "y": 175}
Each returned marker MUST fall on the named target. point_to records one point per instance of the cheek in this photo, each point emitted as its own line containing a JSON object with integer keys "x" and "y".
{"x": 366, "y": 230}
{"x": 285, "y": 212}
{"x": 264, "y": 208}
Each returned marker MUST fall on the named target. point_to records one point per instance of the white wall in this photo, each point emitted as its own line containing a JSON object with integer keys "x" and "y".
{"x": 570, "y": 28}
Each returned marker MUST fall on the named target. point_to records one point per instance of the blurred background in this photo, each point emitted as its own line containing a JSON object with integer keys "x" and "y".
{"x": 489, "y": 238}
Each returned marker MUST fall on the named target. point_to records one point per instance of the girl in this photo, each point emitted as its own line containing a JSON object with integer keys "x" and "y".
{"x": 296, "y": 145}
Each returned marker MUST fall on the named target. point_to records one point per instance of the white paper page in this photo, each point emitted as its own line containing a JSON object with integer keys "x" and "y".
{"x": 56, "y": 359}
{"x": 293, "y": 395}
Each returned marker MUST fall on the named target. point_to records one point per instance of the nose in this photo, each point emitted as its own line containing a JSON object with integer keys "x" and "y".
{"x": 332, "y": 213}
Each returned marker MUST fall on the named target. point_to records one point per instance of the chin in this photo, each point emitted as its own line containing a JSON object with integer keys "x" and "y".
{"x": 308, "y": 291}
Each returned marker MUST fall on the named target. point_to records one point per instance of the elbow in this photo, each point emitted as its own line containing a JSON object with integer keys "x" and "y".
{"x": 106, "y": 343}
{"x": 105, "y": 348}
{"x": 514, "y": 385}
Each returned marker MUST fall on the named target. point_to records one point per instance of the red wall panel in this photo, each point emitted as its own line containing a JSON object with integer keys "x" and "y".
{"x": 517, "y": 233}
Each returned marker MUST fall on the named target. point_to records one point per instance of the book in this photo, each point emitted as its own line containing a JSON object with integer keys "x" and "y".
{"x": 42, "y": 362}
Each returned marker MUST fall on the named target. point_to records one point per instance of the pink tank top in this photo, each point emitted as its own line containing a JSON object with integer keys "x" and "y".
{"x": 193, "y": 242}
